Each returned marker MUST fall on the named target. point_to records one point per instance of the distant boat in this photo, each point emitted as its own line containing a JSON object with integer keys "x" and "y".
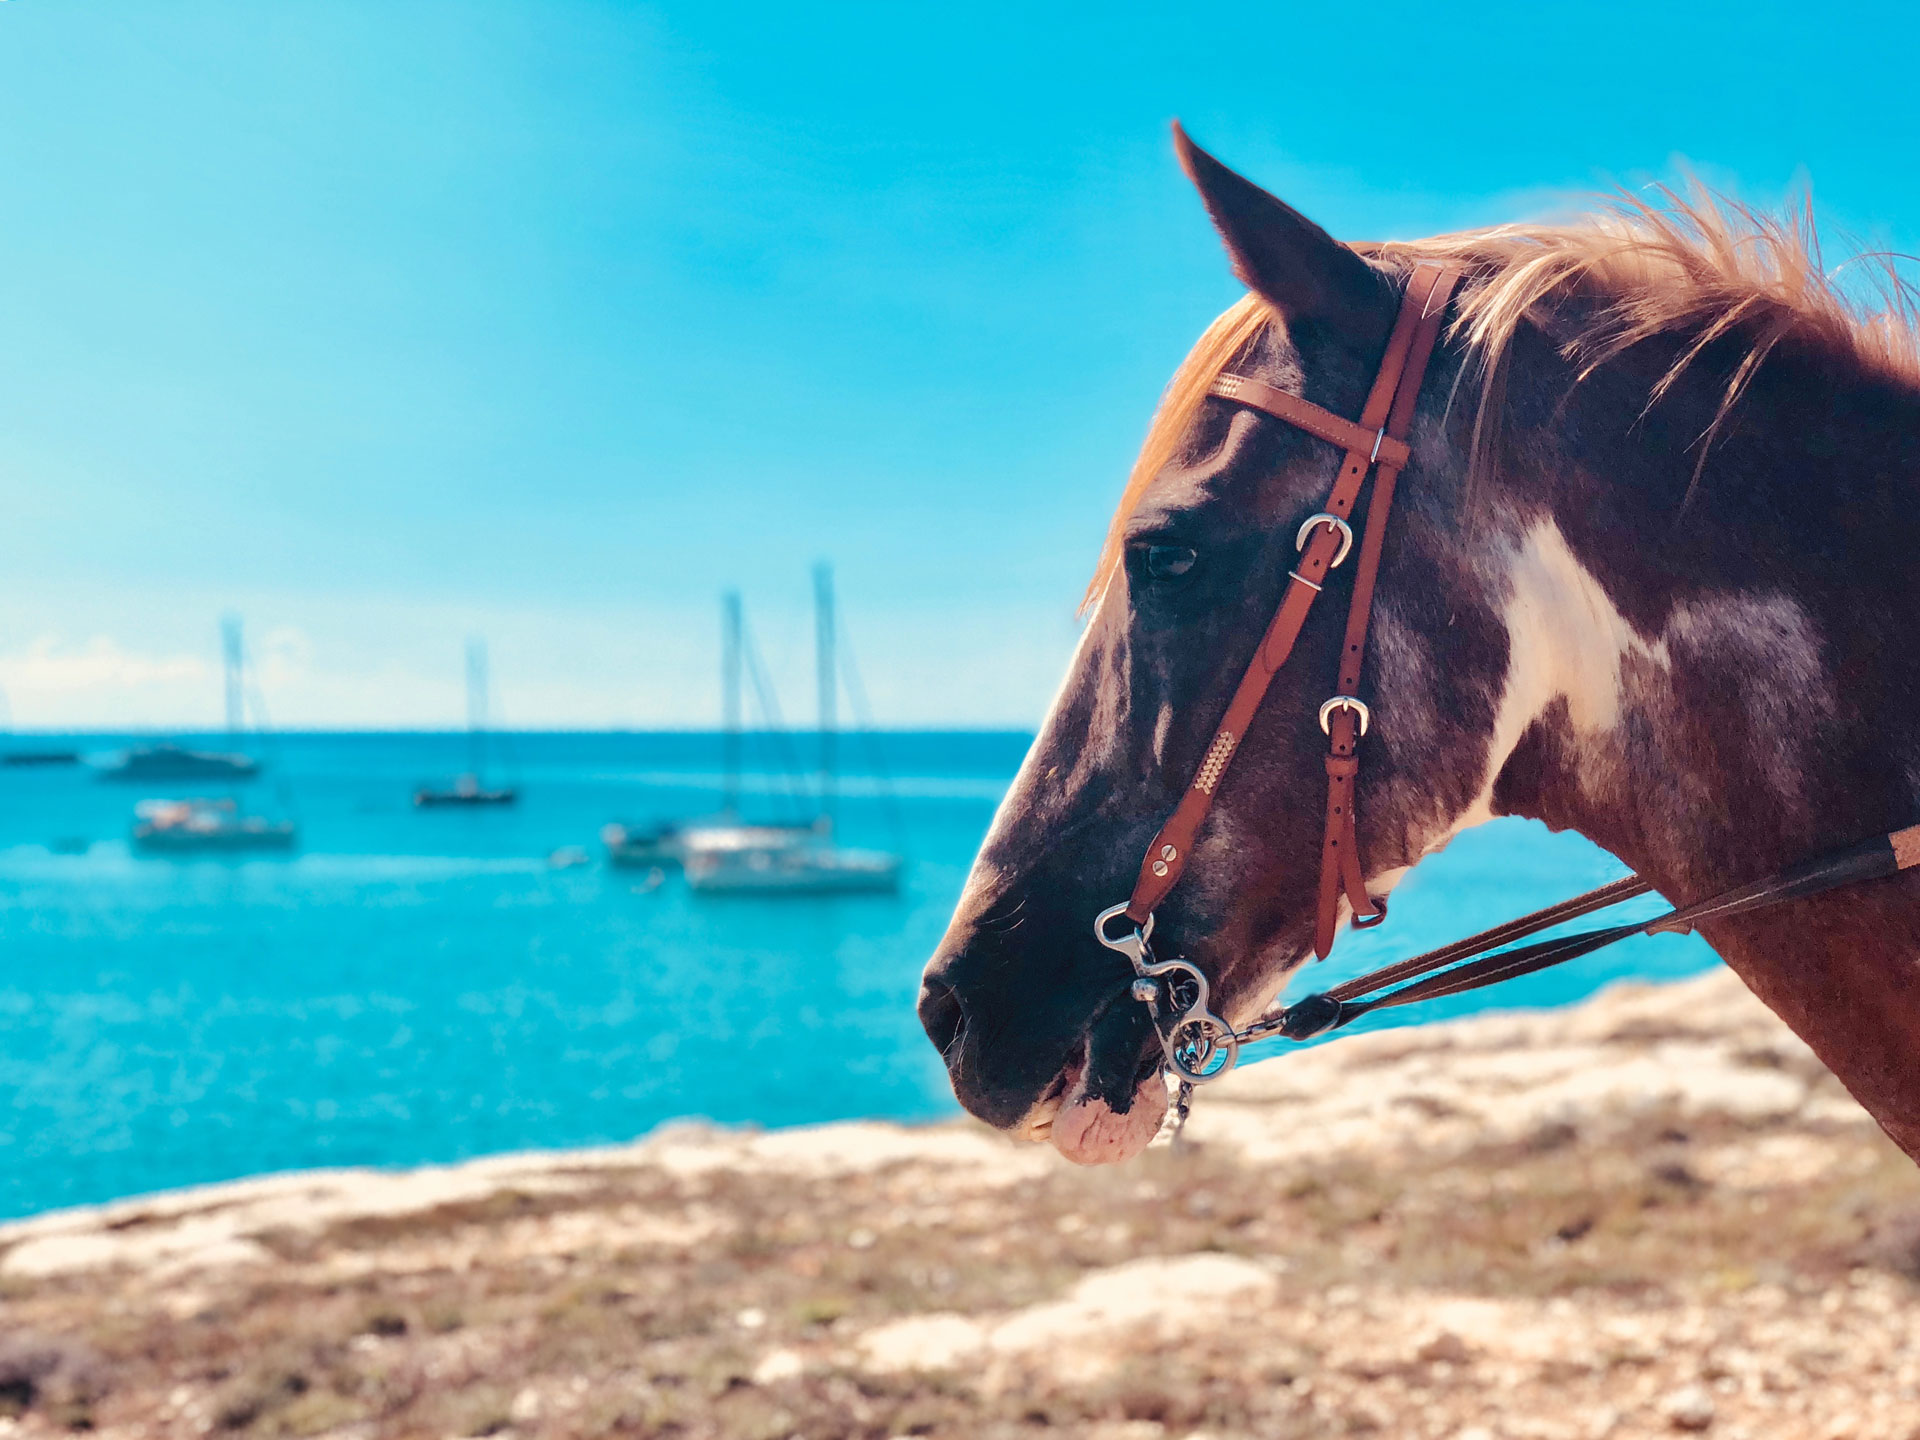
{"x": 470, "y": 788}
{"x": 643, "y": 847}
{"x": 805, "y": 866}
{"x": 732, "y": 859}
{"x": 659, "y": 844}
{"x": 168, "y": 761}
{"x": 465, "y": 790}
{"x": 206, "y": 827}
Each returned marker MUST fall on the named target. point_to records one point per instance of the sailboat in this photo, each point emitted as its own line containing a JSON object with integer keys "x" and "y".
{"x": 469, "y": 788}
{"x": 663, "y": 843}
{"x": 795, "y": 861}
{"x": 202, "y": 824}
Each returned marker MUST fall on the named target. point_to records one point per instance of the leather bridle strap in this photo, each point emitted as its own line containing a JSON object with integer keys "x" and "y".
{"x": 1345, "y": 717}
{"x": 1439, "y": 972}
{"x": 1379, "y": 436}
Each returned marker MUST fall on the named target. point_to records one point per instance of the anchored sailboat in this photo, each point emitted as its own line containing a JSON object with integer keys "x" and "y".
{"x": 665, "y": 843}
{"x": 794, "y": 860}
{"x": 470, "y": 788}
{"x": 203, "y": 824}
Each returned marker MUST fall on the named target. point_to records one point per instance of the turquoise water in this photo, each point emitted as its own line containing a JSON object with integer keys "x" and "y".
{"x": 418, "y": 986}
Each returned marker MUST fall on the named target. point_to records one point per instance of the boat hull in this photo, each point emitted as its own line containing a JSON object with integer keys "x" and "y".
{"x": 171, "y": 762}
{"x": 244, "y": 839}
{"x": 436, "y": 799}
{"x": 795, "y": 871}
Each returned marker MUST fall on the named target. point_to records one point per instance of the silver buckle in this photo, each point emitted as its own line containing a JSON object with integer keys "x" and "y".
{"x": 1344, "y": 702}
{"x": 1307, "y": 528}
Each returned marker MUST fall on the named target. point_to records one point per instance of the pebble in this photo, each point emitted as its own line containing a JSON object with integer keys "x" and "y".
{"x": 1447, "y": 1348}
{"x": 1688, "y": 1409}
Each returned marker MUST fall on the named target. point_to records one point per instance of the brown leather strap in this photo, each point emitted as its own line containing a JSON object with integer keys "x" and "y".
{"x": 1307, "y": 416}
{"x": 1166, "y": 857}
{"x": 1340, "y": 871}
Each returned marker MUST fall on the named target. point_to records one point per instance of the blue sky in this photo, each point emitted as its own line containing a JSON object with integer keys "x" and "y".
{"x": 384, "y": 323}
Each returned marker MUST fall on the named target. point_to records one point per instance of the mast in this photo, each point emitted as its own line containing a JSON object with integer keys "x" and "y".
{"x": 476, "y": 701}
{"x": 827, "y": 675}
{"x": 235, "y": 667}
{"x": 730, "y": 660}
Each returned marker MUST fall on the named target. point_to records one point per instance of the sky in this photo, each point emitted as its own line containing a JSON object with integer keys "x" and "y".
{"x": 384, "y": 323}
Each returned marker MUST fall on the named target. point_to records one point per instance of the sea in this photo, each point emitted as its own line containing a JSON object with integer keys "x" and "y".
{"x": 412, "y": 986}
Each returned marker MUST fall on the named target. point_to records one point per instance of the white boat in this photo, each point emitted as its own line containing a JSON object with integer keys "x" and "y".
{"x": 806, "y": 867}
{"x": 733, "y": 859}
{"x": 663, "y": 844}
{"x": 643, "y": 847}
{"x": 205, "y": 827}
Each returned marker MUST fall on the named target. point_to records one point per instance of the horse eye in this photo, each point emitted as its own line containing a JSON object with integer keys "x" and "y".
{"x": 1170, "y": 562}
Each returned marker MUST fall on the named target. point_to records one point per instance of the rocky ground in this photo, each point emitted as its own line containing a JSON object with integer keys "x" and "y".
{"x": 1652, "y": 1215}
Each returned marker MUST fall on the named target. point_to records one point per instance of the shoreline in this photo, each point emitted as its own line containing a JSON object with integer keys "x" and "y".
{"x": 1648, "y": 1213}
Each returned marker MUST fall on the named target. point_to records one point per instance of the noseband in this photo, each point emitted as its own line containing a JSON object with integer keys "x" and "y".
{"x": 1198, "y": 1044}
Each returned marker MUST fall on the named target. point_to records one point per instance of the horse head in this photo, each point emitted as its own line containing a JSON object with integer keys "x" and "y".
{"x": 1030, "y": 1012}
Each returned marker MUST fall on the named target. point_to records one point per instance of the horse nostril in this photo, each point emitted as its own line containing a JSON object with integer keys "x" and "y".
{"x": 941, "y": 1014}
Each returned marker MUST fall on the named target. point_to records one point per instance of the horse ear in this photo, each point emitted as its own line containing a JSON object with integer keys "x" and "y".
{"x": 1301, "y": 270}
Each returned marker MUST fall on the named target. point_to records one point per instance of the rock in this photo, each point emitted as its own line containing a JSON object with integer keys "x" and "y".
{"x": 1688, "y": 1409}
{"x": 778, "y": 1365}
{"x": 1445, "y": 1348}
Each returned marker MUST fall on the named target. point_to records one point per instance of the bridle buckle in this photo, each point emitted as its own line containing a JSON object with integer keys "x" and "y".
{"x": 1344, "y": 702}
{"x": 1312, "y": 522}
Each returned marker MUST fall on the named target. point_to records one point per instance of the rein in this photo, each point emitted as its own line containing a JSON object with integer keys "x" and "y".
{"x": 1198, "y": 1045}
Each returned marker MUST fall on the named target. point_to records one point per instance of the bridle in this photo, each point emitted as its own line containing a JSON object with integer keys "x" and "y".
{"x": 1197, "y": 1044}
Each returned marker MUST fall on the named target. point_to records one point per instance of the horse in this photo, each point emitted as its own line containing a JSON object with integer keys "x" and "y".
{"x": 1650, "y": 577}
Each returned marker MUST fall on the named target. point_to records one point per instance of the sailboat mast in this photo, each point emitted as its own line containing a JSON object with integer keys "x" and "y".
{"x": 730, "y": 661}
{"x": 235, "y": 665}
{"x": 476, "y": 701}
{"x": 827, "y": 674}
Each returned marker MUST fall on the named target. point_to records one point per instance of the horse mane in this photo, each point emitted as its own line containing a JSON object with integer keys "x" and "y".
{"x": 1693, "y": 265}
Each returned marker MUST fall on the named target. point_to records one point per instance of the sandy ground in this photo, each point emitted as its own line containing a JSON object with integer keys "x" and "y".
{"x": 1652, "y": 1215}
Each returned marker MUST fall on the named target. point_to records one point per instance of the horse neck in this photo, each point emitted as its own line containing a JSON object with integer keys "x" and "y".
{"x": 1715, "y": 696}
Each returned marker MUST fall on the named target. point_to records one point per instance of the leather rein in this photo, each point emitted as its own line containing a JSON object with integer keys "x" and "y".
{"x": 1198, "y": 1044}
